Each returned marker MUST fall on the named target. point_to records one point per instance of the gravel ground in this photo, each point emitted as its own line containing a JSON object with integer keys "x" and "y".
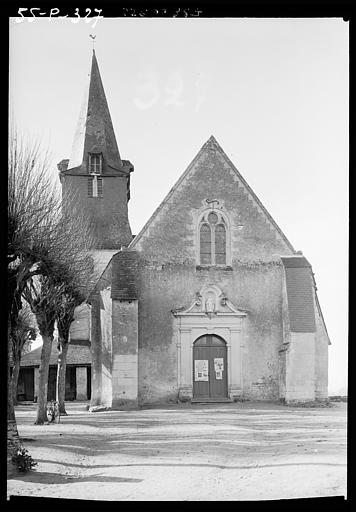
{"x": 214, "y": 452}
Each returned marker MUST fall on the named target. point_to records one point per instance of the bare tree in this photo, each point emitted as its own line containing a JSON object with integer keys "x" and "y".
{"x": 65, "y": 315}
{"x": 43, "y": 294}
{"x": 54, "y": 295}
{"x": 79, "y": 272}
{"x": 32, "y": 196}
{"x": 47, "y": 253}
{"x": 23, "y": 332}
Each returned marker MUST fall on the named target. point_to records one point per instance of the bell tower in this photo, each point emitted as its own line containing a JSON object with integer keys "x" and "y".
{"x": 95, "y": 179}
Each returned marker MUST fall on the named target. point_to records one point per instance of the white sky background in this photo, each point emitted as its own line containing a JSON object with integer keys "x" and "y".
{"x": 274, "y": 93}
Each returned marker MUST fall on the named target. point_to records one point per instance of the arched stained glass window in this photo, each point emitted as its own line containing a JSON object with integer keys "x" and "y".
{"x": 213, "y": 239}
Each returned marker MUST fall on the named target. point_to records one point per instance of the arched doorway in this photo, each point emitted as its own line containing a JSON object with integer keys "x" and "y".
{"x": 209, "y": 368}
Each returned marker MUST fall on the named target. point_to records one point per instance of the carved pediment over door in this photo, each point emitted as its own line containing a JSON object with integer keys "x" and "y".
{"x": 210, "y": 301}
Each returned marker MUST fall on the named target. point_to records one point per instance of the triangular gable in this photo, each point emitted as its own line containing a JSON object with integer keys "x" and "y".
{"x": 212, "y": 145}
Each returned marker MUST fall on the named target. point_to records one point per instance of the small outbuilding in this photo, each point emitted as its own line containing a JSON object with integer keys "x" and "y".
{"x": 78, "y": 373}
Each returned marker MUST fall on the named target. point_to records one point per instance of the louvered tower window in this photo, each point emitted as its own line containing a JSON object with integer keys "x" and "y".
{"x": 212, "y": 239}
{"x": 95, "y": 186}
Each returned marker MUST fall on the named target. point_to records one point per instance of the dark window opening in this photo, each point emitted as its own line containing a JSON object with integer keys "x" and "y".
{"x": 95, "y": 163}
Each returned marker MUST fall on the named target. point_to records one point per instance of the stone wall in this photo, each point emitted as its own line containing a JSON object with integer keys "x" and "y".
{"x": 125, "y": 353}
{"x": 101, "y": 341}
{"x": 300, "y": 374}
{"x": 170, "y": 276}
{"x": 321, "y": 357}
{"x": 256, "y": 289}
{"x": 172, "y": 232}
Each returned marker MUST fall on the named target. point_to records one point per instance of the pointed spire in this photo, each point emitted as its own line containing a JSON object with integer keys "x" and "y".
{"x": 95, "y": 132}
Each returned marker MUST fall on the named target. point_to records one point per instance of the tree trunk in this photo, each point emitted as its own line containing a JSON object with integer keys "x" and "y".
{"x": 43, "y": 380}
{"x": 15, "y": 378}
{"x": 13, "y": 439}
{"x": 61, "y": 377}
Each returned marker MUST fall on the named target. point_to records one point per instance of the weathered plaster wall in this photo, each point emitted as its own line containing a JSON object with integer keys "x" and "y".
{"x": 255, "y": 288}
{"x": 172, "y": 232}
{"x": 321, "y": 357}
{"x": 285, "y": 341}
{"x": 101, "y": 341}
{"x": 300, "y": 374}
{"x": 81, "y": 382}
{"x": 124, "y": 353}
{"x": 170, "y": 277}
{"x": 106, "y": 342}
{"x": 108, "y": 213}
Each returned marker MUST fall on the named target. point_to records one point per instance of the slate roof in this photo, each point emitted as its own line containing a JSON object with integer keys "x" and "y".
{"x": 101, "y": 259}
{"x": 124, "y": 275}
{"x": 299, "y": 283}
{"x": 95, "y": 132}
{"x": 295, "y": 262}
{"x": 78, "y": 354}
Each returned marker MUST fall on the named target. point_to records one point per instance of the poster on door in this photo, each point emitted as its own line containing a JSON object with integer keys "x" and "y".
{"x": 218, "y": 367}
{"x": 201, "y": 370}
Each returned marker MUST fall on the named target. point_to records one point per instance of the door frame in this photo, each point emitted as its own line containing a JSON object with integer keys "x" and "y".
{"x": 231, "y": 330}
{"x": 199, "y": 319}
{"x": 210, "y": 373}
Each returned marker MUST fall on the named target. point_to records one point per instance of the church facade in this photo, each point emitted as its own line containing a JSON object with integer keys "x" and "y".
{"x": 209, "y": 302}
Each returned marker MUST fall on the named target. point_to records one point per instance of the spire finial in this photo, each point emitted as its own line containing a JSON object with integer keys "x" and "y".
{"x": 93, "y": 41}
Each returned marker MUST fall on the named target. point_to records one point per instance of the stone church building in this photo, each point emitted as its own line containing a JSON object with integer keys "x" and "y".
{"x": 209, "y": 302}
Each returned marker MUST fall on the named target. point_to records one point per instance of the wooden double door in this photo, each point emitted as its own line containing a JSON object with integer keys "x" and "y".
{"x": 209, "y": 368}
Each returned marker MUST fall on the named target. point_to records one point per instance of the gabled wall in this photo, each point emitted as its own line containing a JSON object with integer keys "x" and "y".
{"x": 171, "y": 234}
{"x": 169, "y": 277}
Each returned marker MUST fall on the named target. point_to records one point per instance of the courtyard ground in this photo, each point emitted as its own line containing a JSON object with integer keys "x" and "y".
{"x": 242, "y": 451}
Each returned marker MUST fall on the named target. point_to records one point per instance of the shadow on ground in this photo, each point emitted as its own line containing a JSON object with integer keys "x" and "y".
{"x": 39, "y": 477}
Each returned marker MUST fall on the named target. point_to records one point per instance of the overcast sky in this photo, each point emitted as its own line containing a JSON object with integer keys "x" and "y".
{"x": 273, "y": 92}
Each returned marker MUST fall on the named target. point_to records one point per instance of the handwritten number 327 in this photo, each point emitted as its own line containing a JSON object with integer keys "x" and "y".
{"x": 148, "y": 91}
